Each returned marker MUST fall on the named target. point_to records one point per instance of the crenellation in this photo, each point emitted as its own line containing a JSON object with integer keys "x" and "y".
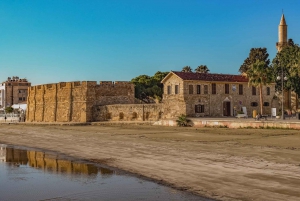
{"x": 62, "y": 84}
{"x": 76, "y": 84}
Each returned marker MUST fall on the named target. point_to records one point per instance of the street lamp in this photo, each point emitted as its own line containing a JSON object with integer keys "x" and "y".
{"x": 282, "y": 79}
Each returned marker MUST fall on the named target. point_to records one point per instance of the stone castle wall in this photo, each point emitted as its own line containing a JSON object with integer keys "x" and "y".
{"x": 213, "y": 103}
{"x": 129, "y": 112}
{"x": 74, "y": 101}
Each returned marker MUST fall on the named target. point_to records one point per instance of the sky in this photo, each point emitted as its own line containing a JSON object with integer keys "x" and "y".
{"x": 49, "y": 41}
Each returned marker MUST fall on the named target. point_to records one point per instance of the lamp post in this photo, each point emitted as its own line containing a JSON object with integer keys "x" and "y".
{"x": 282, "y": 79}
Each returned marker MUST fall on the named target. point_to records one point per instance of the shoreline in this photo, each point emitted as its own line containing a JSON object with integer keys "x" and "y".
{"x": 218, "y": 163}
{"x": 102, "y": 163}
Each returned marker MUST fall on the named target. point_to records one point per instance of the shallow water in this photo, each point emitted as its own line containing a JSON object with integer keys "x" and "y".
{"x": 27, "y": 174}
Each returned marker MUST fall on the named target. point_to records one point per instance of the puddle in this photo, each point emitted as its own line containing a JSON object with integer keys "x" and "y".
{"x": 27, "y": 174}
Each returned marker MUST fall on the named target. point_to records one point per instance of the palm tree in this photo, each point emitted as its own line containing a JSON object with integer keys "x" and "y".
{"x": 186, "y": 69}
{"x": 259, "y": 75}
{"x": 182, "y": 120}
{"x": 202, "y": 69}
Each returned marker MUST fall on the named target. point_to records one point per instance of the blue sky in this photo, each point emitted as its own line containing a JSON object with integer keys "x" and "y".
{"x": 50, "y": 41}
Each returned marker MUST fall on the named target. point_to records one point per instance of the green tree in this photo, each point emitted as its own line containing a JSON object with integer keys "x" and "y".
{"x": 259, "y": 75}
{"x": 186, "y": 69}
{"x": 9, "y": 109}
{"x": 288, "y": 62}
{"x": 255, "y": 54}
{"x": 149, "y": 86}
{"x": 202, "y": 69}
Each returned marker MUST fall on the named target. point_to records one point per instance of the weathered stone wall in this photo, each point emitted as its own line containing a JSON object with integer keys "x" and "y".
{"x": 213, "y": 103}
{"x": 74, "y": 101}
{"x": 174, "y": 104}
{"x": 129, "y": 112}
{"x": 184, "y": 102}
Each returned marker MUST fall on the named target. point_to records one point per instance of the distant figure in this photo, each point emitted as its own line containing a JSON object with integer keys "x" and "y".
{"x": 258, "y": 116}
{"x": 5, "y": 118}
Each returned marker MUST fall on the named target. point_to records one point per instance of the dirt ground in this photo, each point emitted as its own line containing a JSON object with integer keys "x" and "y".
{"x": 219, "y": 163}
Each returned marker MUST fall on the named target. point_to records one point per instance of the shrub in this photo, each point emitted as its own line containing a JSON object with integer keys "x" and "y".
{"x": 182, "y": 121}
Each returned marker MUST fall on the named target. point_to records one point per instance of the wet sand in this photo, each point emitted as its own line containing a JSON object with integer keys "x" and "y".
{"x": 219, "y": 163}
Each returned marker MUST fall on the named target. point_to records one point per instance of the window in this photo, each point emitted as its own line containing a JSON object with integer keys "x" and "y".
{"x": 20, "y": 98}
{"x": 253, "y": 91}
{"x": 169, "y": 89}
{"x": 240, "y": 89}
{"x": 205, "y": 89}
{"x": 24, "y": 98}
{"x": 191, "y": 91}
{"x": 198, "y": 89}
{"x": 226, "y": 88}
{"x": 268, "y": 91}
{"x": 254, "y": 104}
{"x": 199, "y": 108}
{"x": 213, "y": 88}
{"x": 266, "y": 104}
{"x": 176, "y": 89}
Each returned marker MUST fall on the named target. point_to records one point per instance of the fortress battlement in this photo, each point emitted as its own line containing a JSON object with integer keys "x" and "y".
{"x": 74, "y": 101}
{"x": 82, "y": 84}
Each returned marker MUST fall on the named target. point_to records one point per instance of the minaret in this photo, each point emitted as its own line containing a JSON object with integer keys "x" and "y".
{"x": 282, "y": 34}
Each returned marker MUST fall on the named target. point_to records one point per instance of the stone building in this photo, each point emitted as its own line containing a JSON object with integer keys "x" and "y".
{"x": 214, "y": 95}
{"x": 13, "y": 91}
{"x": 87, "y": 101}
{"x": 75, "y": 101}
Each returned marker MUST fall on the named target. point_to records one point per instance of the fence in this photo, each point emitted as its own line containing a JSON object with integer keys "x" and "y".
{"x": 11, "y": 117}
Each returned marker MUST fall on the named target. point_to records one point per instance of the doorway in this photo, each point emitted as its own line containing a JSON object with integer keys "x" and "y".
{"x": 226, "y": 109}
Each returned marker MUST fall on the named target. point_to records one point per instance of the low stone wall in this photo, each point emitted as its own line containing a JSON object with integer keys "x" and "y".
{"x": 9, "y": 119}
{"x": 235, "y": 123}
{"x": 128, "y": 112}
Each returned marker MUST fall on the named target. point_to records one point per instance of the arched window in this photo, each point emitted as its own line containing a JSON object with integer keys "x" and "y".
{"x": 134, "y": 115}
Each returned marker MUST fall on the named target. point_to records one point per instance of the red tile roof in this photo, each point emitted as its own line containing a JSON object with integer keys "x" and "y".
{"x": 211, "y": 77}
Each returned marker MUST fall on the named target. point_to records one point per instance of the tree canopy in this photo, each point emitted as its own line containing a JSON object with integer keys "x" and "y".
{"x": 202, "y": 69}
{"x": 149, "y": 86}
{"x": 259, "y": 75}
{"x": 186, "y": 69}
{"x": 255, "y": 54}
{"x": 287, "y": 61}
{"x": 9, "y": 109}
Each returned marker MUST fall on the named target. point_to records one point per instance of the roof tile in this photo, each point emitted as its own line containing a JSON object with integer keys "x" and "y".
{"x": 211, "y": 77}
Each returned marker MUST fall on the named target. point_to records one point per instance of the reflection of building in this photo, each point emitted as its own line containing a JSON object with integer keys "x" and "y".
{"x": 16, "y": 156}
{"x": 51, "y": 163}
{"x": 2, "y": 153}
{"x": 13, "y": 91}
{"x": 54, "y": 164}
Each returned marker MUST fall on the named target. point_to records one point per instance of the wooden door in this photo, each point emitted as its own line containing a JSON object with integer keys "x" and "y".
{"x": 226, "y": 108}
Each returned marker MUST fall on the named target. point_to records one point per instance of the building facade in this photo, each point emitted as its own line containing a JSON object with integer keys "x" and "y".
{"x": 214, "y": 95}
{"x": 13, "y": 91}
{"x": 75, "y": 101}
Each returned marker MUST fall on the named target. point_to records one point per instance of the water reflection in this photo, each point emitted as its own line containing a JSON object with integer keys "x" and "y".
{"x": 48, "y": 162}
{"x": 64, "y": 178}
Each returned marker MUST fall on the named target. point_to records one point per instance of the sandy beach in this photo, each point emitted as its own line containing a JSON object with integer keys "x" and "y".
{"x": 219, "y": 163}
